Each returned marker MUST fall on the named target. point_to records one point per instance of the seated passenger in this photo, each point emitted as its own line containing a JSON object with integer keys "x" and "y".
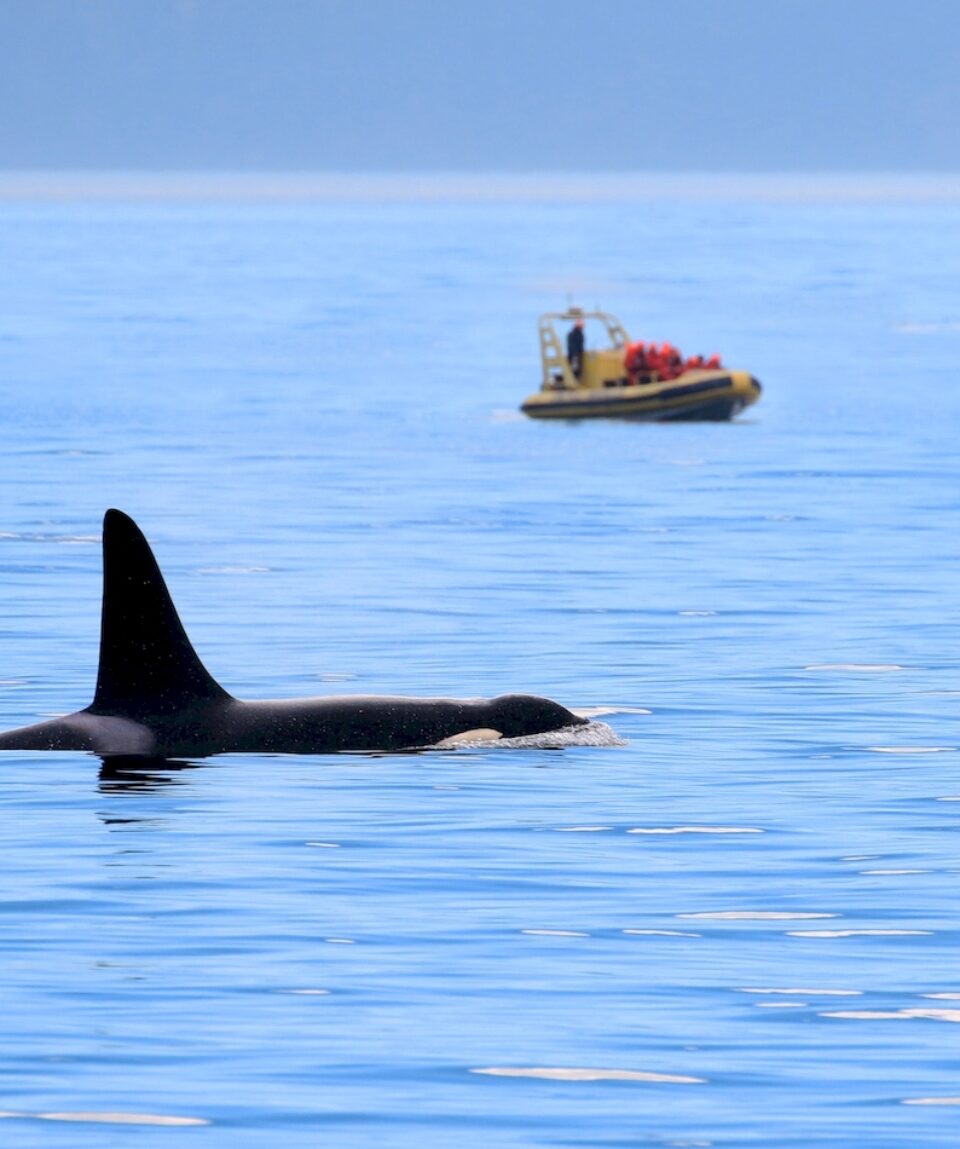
{"x": 654, "y": 361}
{"x": 676, "y": 362}
{"x": 670, "y": 361}
{"x": 635, "y": 363}
{"x": 713, "y": 363}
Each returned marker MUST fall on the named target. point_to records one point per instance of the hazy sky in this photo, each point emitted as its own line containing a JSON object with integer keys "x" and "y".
{"x": 548, "y": 85}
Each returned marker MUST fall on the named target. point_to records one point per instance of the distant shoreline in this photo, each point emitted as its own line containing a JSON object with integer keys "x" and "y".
{"x": 465, "y": 187}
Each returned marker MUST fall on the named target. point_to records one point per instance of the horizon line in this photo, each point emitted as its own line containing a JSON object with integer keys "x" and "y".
{"x": 239, "y": 186}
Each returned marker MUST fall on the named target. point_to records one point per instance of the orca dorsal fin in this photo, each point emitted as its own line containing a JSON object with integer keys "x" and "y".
{"x": 147, "y": 665}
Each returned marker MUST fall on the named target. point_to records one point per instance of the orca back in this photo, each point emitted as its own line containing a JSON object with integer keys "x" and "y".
{"x": 147, "y": 664}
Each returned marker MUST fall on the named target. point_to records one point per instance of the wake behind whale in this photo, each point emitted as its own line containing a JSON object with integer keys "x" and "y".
{"x": 154, "y": 698}
{"x": 583, "y": 734}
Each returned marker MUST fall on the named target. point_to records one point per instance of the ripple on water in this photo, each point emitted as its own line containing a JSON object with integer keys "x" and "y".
{"x": 231, "y": 570}
{"x": 695, "y": 830}
{"x": 556, "y": 933}
{"x": 911, "y": 749}
{"x": 560, "y": 1074}
{"x": 913, "y": 328}
{"x": 890, "y": 873}
{"x": 108, "y": 1118}
{"x": 919, "y": 1013}
{"x": 856, "y": 933}
{"x": 807, "y": 992}
{"x": 663, "y": 933}
{"x": 756, "y": 915}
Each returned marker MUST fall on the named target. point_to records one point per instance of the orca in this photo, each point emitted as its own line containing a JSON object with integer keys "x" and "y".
{"x": 154, "y": 698}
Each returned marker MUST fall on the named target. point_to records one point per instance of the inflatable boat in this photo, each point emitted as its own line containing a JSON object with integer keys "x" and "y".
{"x": 627, "y": 380}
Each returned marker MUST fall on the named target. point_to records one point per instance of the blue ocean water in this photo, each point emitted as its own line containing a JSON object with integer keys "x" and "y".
{"x": 738, "y": 929}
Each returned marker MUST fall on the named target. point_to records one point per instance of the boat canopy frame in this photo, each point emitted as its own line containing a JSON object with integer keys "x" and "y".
{"x": 553, "y": 355}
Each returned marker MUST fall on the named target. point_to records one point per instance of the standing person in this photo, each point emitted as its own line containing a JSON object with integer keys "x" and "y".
{"x": 575, "y": 344}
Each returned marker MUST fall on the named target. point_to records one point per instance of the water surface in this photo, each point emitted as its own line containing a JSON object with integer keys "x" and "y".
{"x": 740, "y": 928}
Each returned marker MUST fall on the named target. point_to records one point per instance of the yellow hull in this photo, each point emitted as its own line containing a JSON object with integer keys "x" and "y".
{"x": 707, "y": 395}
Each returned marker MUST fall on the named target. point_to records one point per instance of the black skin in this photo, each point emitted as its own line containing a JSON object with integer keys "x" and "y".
{"x": 155, "y": 699}
{"x": 294, "y": 726}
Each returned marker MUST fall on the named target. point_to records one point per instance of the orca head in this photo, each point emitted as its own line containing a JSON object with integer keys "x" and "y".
{"x": 516, "y": 715}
